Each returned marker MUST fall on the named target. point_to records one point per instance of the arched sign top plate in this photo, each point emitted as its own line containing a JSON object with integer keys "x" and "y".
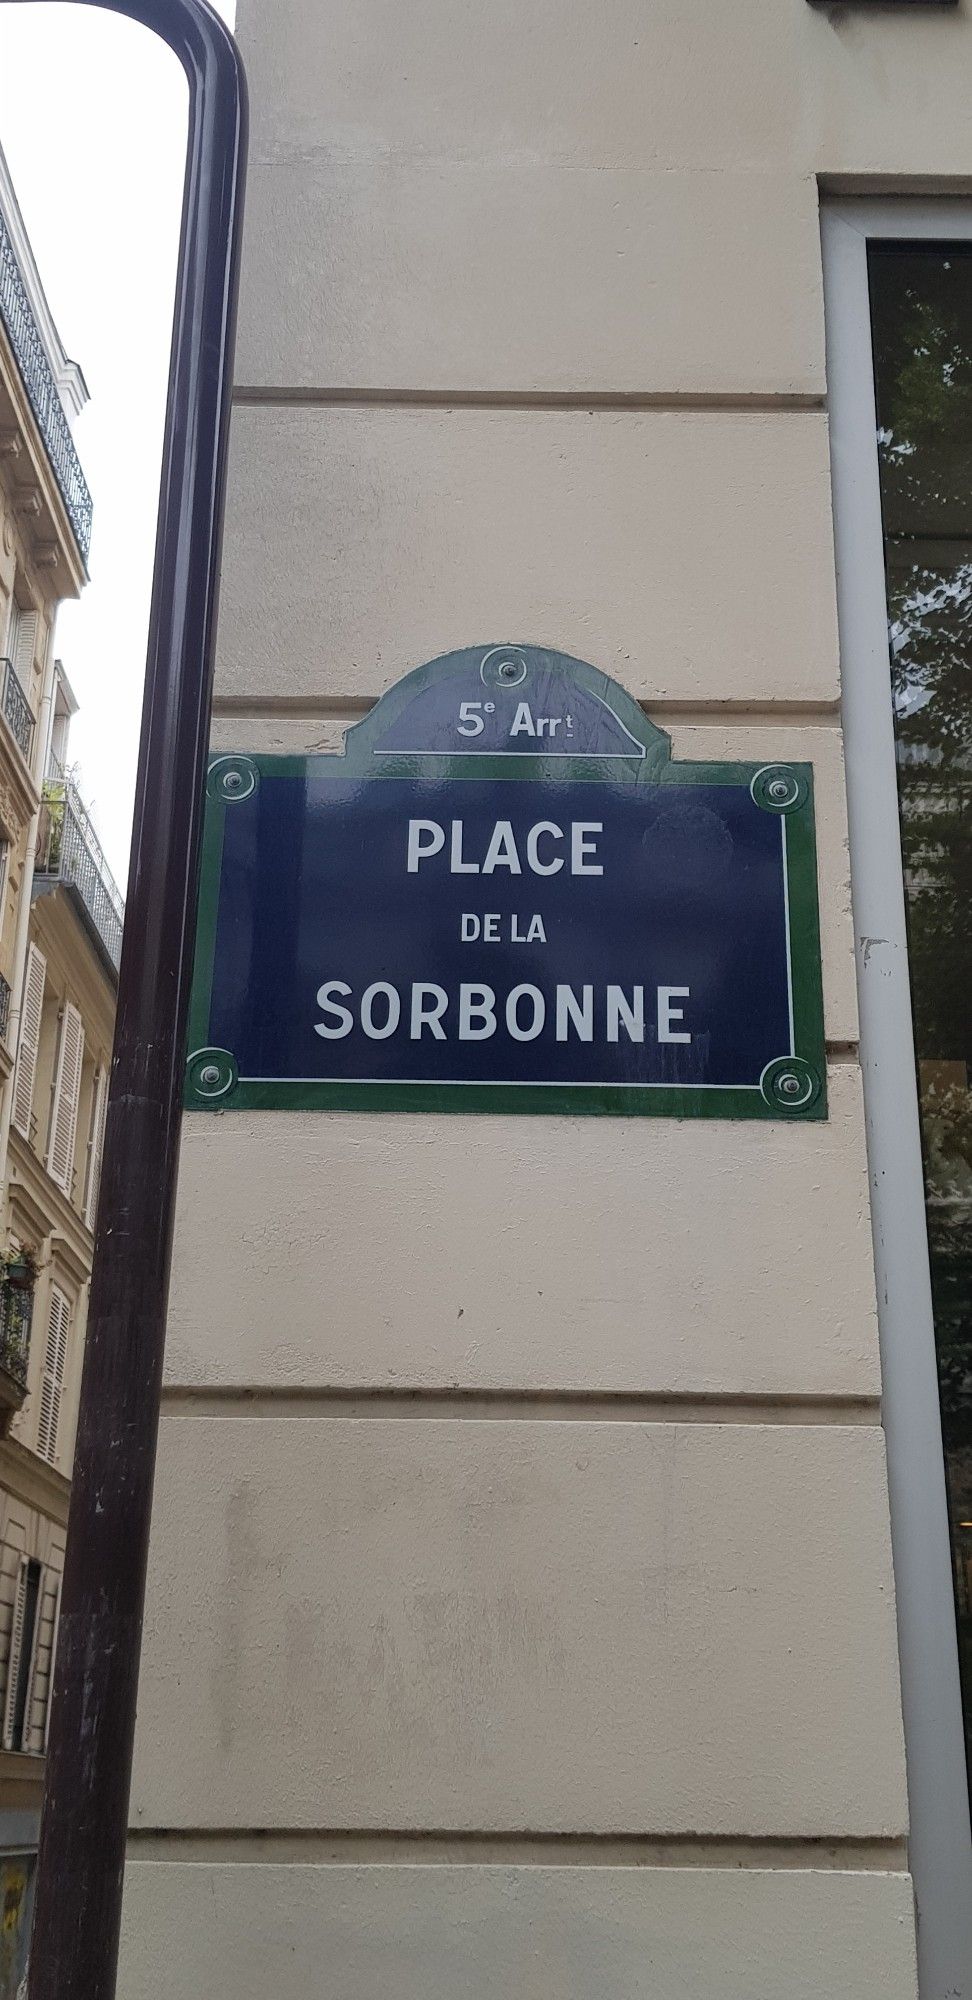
{"x": 506, "y": 895}
{"x": 516, "y": 705}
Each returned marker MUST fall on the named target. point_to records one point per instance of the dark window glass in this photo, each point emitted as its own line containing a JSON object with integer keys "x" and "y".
{"x": 31, "y": 1594}
{"x": 921, "y": 307}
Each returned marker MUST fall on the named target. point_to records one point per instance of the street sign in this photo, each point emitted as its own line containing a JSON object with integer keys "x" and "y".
{"x": 506, "y": 895}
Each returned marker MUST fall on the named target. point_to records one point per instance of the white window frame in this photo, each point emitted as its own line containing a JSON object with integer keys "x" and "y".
{"x": 56, "y": 1341}
{"x": 940, "y": 1841}
{"x": 22, "y": 627}
{"x": 28, "y": 1044}
{"x": 66, "y": 1096}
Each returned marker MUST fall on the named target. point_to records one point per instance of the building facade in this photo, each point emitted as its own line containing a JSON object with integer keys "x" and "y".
{"x": 60, "y": 933}
{"x": 553, "y": 1577}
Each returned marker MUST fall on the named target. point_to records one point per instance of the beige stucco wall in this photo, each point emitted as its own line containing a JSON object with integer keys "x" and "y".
{"x": 521, "y": 1617}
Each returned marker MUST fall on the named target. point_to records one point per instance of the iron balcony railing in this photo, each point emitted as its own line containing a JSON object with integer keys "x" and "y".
{"x": 4, "y": 1007}
{"x": 16, "y": 1308}
{"x": 17, "y": 710}
{"x": 41, "y": 388}
{"x": 70, "y": 852}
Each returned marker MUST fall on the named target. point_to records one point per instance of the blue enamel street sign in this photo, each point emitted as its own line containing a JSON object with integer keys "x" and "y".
{"x": 505, "y": 895}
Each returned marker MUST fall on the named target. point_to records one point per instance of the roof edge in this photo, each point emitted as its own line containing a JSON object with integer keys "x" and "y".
{"x": 69, "y": 380}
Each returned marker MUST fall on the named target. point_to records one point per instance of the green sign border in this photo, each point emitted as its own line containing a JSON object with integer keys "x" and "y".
{"x": 793, "y": 1087}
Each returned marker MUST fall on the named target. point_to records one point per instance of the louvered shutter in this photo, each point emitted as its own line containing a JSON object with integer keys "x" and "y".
{"x": 50, "y": 1671}
{"x": 14, "y": 1655}
{"x": 30, "y": 1027}
{"x": 52, "y": 1374}
{"x": 41, "y": 1663}
{"x": 96, "y": 1146}
{"x": 67, "y": 1090}
{"x": 24, "y": 641}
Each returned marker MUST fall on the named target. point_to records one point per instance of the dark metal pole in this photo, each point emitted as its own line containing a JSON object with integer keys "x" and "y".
{"x": 78, "y": 1905}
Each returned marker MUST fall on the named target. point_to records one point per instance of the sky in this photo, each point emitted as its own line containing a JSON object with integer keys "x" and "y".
{"x": 93, "y": 124}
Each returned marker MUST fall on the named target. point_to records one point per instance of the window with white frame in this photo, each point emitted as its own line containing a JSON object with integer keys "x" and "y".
{"x": 22, "y": 642}
{"x": 31, "y": 1015}
{"x": 52, "y": 1374}
{"x": 898, "y": 296}
{"x": 25, "y": 1691}
{"x": 921, "y": 315}
{"x": 16, "y": 687}
{"x": 65, "y": 1098}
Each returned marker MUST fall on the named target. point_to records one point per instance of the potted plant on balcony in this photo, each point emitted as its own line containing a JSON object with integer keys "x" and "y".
{"x": 19, "y": 1271}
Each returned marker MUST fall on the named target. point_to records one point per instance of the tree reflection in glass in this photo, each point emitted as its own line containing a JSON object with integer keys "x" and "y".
{"x": 921, "y": 305}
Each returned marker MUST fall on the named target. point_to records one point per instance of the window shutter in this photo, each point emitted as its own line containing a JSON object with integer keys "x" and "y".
{"x": 96, "y": 1146}
{"x": 38, "y": 1682}
{"x": 52, "y": 1374}
{"x": 55, "y": 1630}
{"x": 67, "y": 1089}
{"x": 15, "y": 1653}
{"x": 30, "y": 1027}
{"x": 23, "y": 639}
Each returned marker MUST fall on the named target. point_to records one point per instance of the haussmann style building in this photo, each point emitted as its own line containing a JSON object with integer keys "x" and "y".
{"x": 60, "y": 937}
{"x": 560, "y": 1577}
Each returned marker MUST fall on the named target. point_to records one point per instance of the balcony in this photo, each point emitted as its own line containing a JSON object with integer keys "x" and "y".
{"x": 69, "y": 855}
{"x": 41, "y": 390}
{"x": 16, "y": 1307}
{"x": 4, "y": 1007}
{"x": 17, "y": 711}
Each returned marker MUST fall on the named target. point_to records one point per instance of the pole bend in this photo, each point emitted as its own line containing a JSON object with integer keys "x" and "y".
{"x": 77, "y": 1912}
